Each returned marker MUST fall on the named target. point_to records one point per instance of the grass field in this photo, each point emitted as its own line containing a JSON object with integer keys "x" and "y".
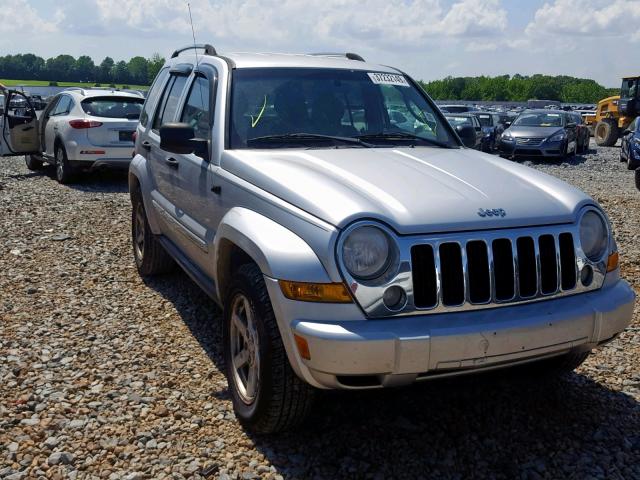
{"x": 45, "y": 83}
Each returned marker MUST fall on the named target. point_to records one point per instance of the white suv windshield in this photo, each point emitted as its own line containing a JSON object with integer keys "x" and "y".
{"x": 275, "y": 107}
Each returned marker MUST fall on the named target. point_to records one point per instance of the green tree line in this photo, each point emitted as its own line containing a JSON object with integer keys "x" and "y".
{"x": 518, "y": 88}
{"x": 65, "y": 68}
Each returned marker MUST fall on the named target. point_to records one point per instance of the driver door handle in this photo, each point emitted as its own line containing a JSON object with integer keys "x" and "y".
{"x": 146, "y": 145}
{"x": 172, "y": 162}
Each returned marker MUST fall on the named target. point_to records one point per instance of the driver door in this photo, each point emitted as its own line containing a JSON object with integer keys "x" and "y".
{"x": 19, "y": 129}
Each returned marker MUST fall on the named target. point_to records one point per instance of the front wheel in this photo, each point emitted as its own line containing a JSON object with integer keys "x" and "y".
{"x": 33, "y": 163}
{"x": 606, "y": 132}
{"x": 267, "y": 395}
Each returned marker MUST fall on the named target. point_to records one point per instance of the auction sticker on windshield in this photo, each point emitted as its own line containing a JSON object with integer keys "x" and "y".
{"x": 388, "y": 79}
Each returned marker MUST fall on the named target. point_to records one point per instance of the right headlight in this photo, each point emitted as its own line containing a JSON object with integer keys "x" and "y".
{"x": 367, "y": 252}
{"x": 594, "y": 235}
{"x": 506, "y": 136}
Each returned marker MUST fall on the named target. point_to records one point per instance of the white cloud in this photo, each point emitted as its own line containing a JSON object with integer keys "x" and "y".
{"x": 287, "y": 23}
{"x": 18, "y": 17}
{"x": 586, "y": 18}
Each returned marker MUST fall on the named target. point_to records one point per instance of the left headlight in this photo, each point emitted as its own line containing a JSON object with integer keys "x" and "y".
{"x": 366, "y": 252}
{"x": 594, "y": 235}
{"x": 558, "y": 137}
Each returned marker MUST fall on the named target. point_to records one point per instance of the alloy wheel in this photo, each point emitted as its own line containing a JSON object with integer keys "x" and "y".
{"x": 245, "y": 354}
{"x": 139, "y": 232}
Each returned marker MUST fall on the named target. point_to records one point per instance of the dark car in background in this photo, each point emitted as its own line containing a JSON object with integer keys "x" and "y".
{"x": 457, "y": 108}
{"x": 541, "y": 133}
{"x": 468, "y": 128}
{"x": 583, "y": 134}
{"x": 630, "y": 147}
{"x": 489, "y": 123}
{"x": 37, "y": 102}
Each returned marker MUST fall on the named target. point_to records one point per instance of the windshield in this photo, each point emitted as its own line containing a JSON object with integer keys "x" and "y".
{"x": 539, "y": 120}
{"x": 113, "y": 107}
{"x": 485, "y": 120}
{"x": 279, "y": 104}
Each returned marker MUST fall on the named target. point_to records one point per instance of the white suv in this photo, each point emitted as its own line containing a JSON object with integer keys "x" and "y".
{"x": 80, "y": 129}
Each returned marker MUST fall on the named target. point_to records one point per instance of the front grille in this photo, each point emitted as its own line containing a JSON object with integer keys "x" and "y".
{"x": 529, "y": 141}
{"x": 492, "y": 270}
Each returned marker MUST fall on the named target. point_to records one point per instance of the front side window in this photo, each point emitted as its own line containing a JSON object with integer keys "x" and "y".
{"x": 169, "y": 104}
{"x": 113, "y": 107}
{"x": 629, "y": 88}
{"x": 381, "y": 109}
{"x": 196, "y": 111}
{"x": 539, "y": 120}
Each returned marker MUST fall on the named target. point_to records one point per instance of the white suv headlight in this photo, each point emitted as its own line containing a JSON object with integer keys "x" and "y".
{"x": 594, "y": 235}
{"x": 366, "y": 252}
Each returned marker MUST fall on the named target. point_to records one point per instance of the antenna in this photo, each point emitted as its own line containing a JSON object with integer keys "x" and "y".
{"x": 193, "y": 33}
{"x": 195, "y": 49}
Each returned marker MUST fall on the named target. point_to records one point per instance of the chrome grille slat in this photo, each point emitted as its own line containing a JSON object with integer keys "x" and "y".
{"x": 515, "y": 245}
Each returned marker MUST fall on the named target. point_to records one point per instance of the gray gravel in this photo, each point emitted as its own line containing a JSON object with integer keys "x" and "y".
{"x": 105, "y": 376}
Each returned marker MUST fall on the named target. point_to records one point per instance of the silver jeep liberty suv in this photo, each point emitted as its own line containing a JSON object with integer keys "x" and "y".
{"x": 351, "y": 247}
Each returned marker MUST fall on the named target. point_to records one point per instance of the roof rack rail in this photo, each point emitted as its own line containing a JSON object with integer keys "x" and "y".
{"x": 208, "y": 49}
{"x": 349, "y": 55}
{"x": 82, "y": 90}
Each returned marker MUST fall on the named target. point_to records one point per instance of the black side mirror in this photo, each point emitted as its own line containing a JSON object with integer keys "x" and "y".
{"x": 507, "y": 124}
{"x": 626, "y": 132}
{"x": 572, "y": 125}
{"x": 180, "y": 138}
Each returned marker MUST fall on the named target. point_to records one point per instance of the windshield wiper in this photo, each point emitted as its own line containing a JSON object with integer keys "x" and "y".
{"x": 306, "y": 136}
{"x": 402, "y": 136}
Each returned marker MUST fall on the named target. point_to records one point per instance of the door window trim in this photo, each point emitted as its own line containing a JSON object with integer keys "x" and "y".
{"x": 210, "y": 73}
{"x": 162, "y": 100}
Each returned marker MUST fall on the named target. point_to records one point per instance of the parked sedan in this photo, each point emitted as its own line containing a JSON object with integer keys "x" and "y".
{"x": 468, "y": 128}
{"x": 630, "y": 148}
{"x": 543, "y": 133}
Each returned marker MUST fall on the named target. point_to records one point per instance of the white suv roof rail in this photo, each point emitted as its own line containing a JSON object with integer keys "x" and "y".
{"x": 349, "y": 55}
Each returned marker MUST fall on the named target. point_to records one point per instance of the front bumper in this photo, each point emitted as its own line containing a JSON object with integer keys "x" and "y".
{"x": 545, "y": 149}
{"x": 397, "y": 351}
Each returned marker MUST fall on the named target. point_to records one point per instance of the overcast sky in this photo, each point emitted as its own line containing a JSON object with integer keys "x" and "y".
{"x": 429, "y": 39}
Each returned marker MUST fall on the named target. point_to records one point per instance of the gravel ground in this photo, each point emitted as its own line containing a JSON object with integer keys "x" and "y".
{"x": 104, "y": 375}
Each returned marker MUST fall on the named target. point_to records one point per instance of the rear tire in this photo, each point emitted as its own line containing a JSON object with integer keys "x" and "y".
{"x": 267, "y": 395}
{"x": 64, "y": 171}
{"x": 33, "y": 163}
{"x": 149, "y": 255}
{"x": 607, "y": 132}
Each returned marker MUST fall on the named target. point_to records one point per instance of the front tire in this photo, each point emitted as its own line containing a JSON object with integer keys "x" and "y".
{"x": 64, "y": 172}
{"x": 33, "y": 163}
{"x": 606, "y": 132}
{"x": 267, "y": 395}
{"x": 150, "y": 256}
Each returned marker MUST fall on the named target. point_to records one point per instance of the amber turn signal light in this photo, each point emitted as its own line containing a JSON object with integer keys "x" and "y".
{"x": 315, "y": 292}
{"x": 613, "y": 262}
{"x": 303, "y": 347}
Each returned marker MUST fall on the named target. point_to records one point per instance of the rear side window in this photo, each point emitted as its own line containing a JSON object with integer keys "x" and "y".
{"x": 113, "y": 107}
{"x": 63, "y": 106}
{"x": 169, "y": 104}
{"x": 152, "y": 96}
{"x": 196, "y": 110}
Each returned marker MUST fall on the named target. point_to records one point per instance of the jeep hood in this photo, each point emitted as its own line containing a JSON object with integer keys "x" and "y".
{"x": 414, "y": 190}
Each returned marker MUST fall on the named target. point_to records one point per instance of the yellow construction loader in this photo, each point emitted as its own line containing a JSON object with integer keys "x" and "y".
{"x": 614, "y": 114}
